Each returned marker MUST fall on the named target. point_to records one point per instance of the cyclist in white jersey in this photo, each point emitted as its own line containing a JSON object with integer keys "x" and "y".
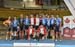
{"x": 37, "y": 22}
{"x": 32, "y": 20}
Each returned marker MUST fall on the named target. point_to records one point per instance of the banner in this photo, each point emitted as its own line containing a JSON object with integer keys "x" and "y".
{"x": 71, "y": 5}
{"x": 69, "y": 27}
{"x": 34, "y": 45}
{"x": 73, "y": 28}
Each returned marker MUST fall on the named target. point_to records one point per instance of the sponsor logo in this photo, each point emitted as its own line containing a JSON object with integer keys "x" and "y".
{"x": 67, "y": 20}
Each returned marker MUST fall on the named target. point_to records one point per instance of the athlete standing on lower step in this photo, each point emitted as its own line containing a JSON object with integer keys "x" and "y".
{"x": 7, "y": 23}
{"x": 15, "y": 24}
{"x": 58, "y": 26}
{"x": 52, "y": 26}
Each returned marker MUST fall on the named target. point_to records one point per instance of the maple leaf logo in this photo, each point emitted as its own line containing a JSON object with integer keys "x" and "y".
{"x": 67, "y": 20}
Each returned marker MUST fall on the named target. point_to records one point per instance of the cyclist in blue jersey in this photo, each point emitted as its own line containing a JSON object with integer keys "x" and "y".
{"x": 48, "y": 25}
{"x": 58, "y": 26}
{"x": 26, "y": 26}
{"x": 26, "y": 22}
{"x": 52, "y": 26}
{"x": 15, "y": 24}
{"x": 44, "y": 20}
{"x": 40, "y": 17}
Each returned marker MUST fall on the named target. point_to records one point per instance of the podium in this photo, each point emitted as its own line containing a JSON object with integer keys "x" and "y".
{"x": 33, "y": 43}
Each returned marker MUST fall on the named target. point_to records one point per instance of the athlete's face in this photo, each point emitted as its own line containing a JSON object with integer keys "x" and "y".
{"x": 14, "y": 18}
{"x": 37, "y": 16}
{"x": 41, "y": 26}
{"x": 47, "y": 16}
{"x": 31, "y": 15}
{"x": 57, "y": 16}
{"x": 31, "y": 27}
{"x": 52, "y": 16}
{"x": 26, "y": 16}
{"x": 9, "y": 18}
{"x": 21, "y": 16}
{"x": 40, "y": 16}
{"x": 43, "y": 16}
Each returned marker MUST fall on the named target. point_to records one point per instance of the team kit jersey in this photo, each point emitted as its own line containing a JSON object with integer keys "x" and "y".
{"x": 44, "y": 21}
{"x": 58, "y": 22}
{"x": 32, "y": 21}
{"x": 52, "y": 23}
{"x": 37, "y": 21}
{"x": 21, "y": 24}
{"x": 42, "y": 30}
{"x": 27, "y": 21}
{"x": 48, "y": 22}
{"x": 9, "y": 24}
{"x": 30, "y": 31}
{"x": 15, "y": 25}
